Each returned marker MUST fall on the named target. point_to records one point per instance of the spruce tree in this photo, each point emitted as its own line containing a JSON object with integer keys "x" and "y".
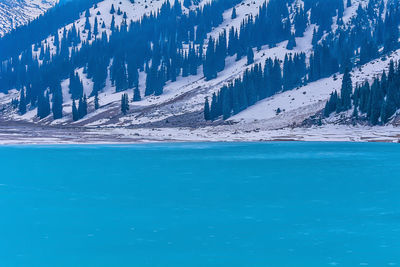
{"x": 214, "y": 108}
{"x": 346, "y": 91}
{"x": 22, "y": 102}
{"x": 209, "y": 66}
{"x": 233, "y": 16}
{"x": 43, "y": 105}
{"x": 250, "y": 56}
{"x": 87, "y": 24}
{"x": 112, "y": 25}
{"x": 226, "y": 104}
{"x": 82, "y": 108}
{"x": 136, "y": 94}
{"x": 124, "y": 103}
{"x": 75, "y": 114}
{"x": 207, "y": 114}
{"x": 96, "y": 27}
{"x": 96, "y": 101}
{"x": 292, "y": 43}
{"x": 57, "y": 102}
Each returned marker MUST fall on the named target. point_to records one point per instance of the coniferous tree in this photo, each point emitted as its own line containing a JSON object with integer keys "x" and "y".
{"x": 124, "y": 103}
{"x": 22, "y": 102}
{"x": 112, "y": 25}
{"x": 292, "y": 43}
{"x": 96, "y": 101}
{"x": 82, "y": 108}
{"x": 207, "y": 115}
{"x": 346, "y": 91}
{"x": 226, "y": 103}
{"x": 43, "y": 105}
{"x": 75, "y": 86}
{"x": 75, "y": 114}
{"x": 233, "y": 16}
{"x": 87, "y": 24}
{"x": 57, "y": 101}
{"x": 250, "y": 56}
{"x": 331, "y": 104}
{"x": 214, "y": 113}
{"x": 376, "y": 101}
{"x": 96, "y": 27}
{"x": 136, "y": 94}
{"x": 209, "y": 66}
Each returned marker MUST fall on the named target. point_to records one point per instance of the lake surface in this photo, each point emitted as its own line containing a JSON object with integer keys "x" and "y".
{"x": 271, "y": 204}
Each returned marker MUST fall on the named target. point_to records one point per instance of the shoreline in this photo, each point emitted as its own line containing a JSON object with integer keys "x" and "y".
{"x": 38, "y": 135}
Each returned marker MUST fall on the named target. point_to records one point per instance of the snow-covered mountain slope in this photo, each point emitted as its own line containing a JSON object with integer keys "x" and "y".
{"x": 303, "y": 102}
{"x": 14, "y": 13}
{"x": 182, "y": 101}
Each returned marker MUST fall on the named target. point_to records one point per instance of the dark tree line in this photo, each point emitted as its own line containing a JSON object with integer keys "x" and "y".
{"x": 257, "y": 83}
{"x": 377, "y": 102}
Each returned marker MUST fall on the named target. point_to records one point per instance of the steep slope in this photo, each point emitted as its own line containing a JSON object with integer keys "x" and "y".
{"x": 14, "y": 13}
{"x": 181, "y": 103}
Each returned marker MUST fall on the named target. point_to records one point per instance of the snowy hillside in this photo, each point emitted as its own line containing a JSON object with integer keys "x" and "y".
{"x": 181, "y": 103}
{"x": 14, "y": 13}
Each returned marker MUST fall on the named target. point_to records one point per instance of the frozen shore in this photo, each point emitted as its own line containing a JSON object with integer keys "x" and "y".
{"x": 30, "y": 134}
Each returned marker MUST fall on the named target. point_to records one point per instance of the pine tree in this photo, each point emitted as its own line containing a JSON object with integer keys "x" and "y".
{"x": 250, "y": 56}
{"x": 207, "y": 115}
{"x": 82, "y": 108}
{"x": 376, "y": 102}
{"x": 87, "y": 24}
{"x": 346, "y": 91}
{"x": 136, "y": 94}
{"x": 112, "y": 25}
{"x": 96, "y": 101}
{"x": 57, "y": 102}
{"x": 75, "y": 86}
{"x": 124, "y": 103}
{"x": 43, "y": 105}
{"x": 226, "y": 104}
{"x": 331, "y": 104}
{"x": 209, "y": 66}
{"x": 75, "y": 114}
{"x": 233, "y": 16}
{"x": 214, "y": 108}
{"x": 22, "y": 102}
{"x": 292, "y": 43}
{"x": 96, "y": 27}
{"x": 112, "y": 10}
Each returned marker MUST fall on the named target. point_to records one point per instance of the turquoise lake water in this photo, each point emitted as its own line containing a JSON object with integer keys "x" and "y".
{"x": 271, "y": 204}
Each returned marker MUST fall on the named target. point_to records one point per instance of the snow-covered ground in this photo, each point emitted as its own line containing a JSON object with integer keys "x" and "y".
{"x": 329, "y": 133}
{"x": 14, "y": 13}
